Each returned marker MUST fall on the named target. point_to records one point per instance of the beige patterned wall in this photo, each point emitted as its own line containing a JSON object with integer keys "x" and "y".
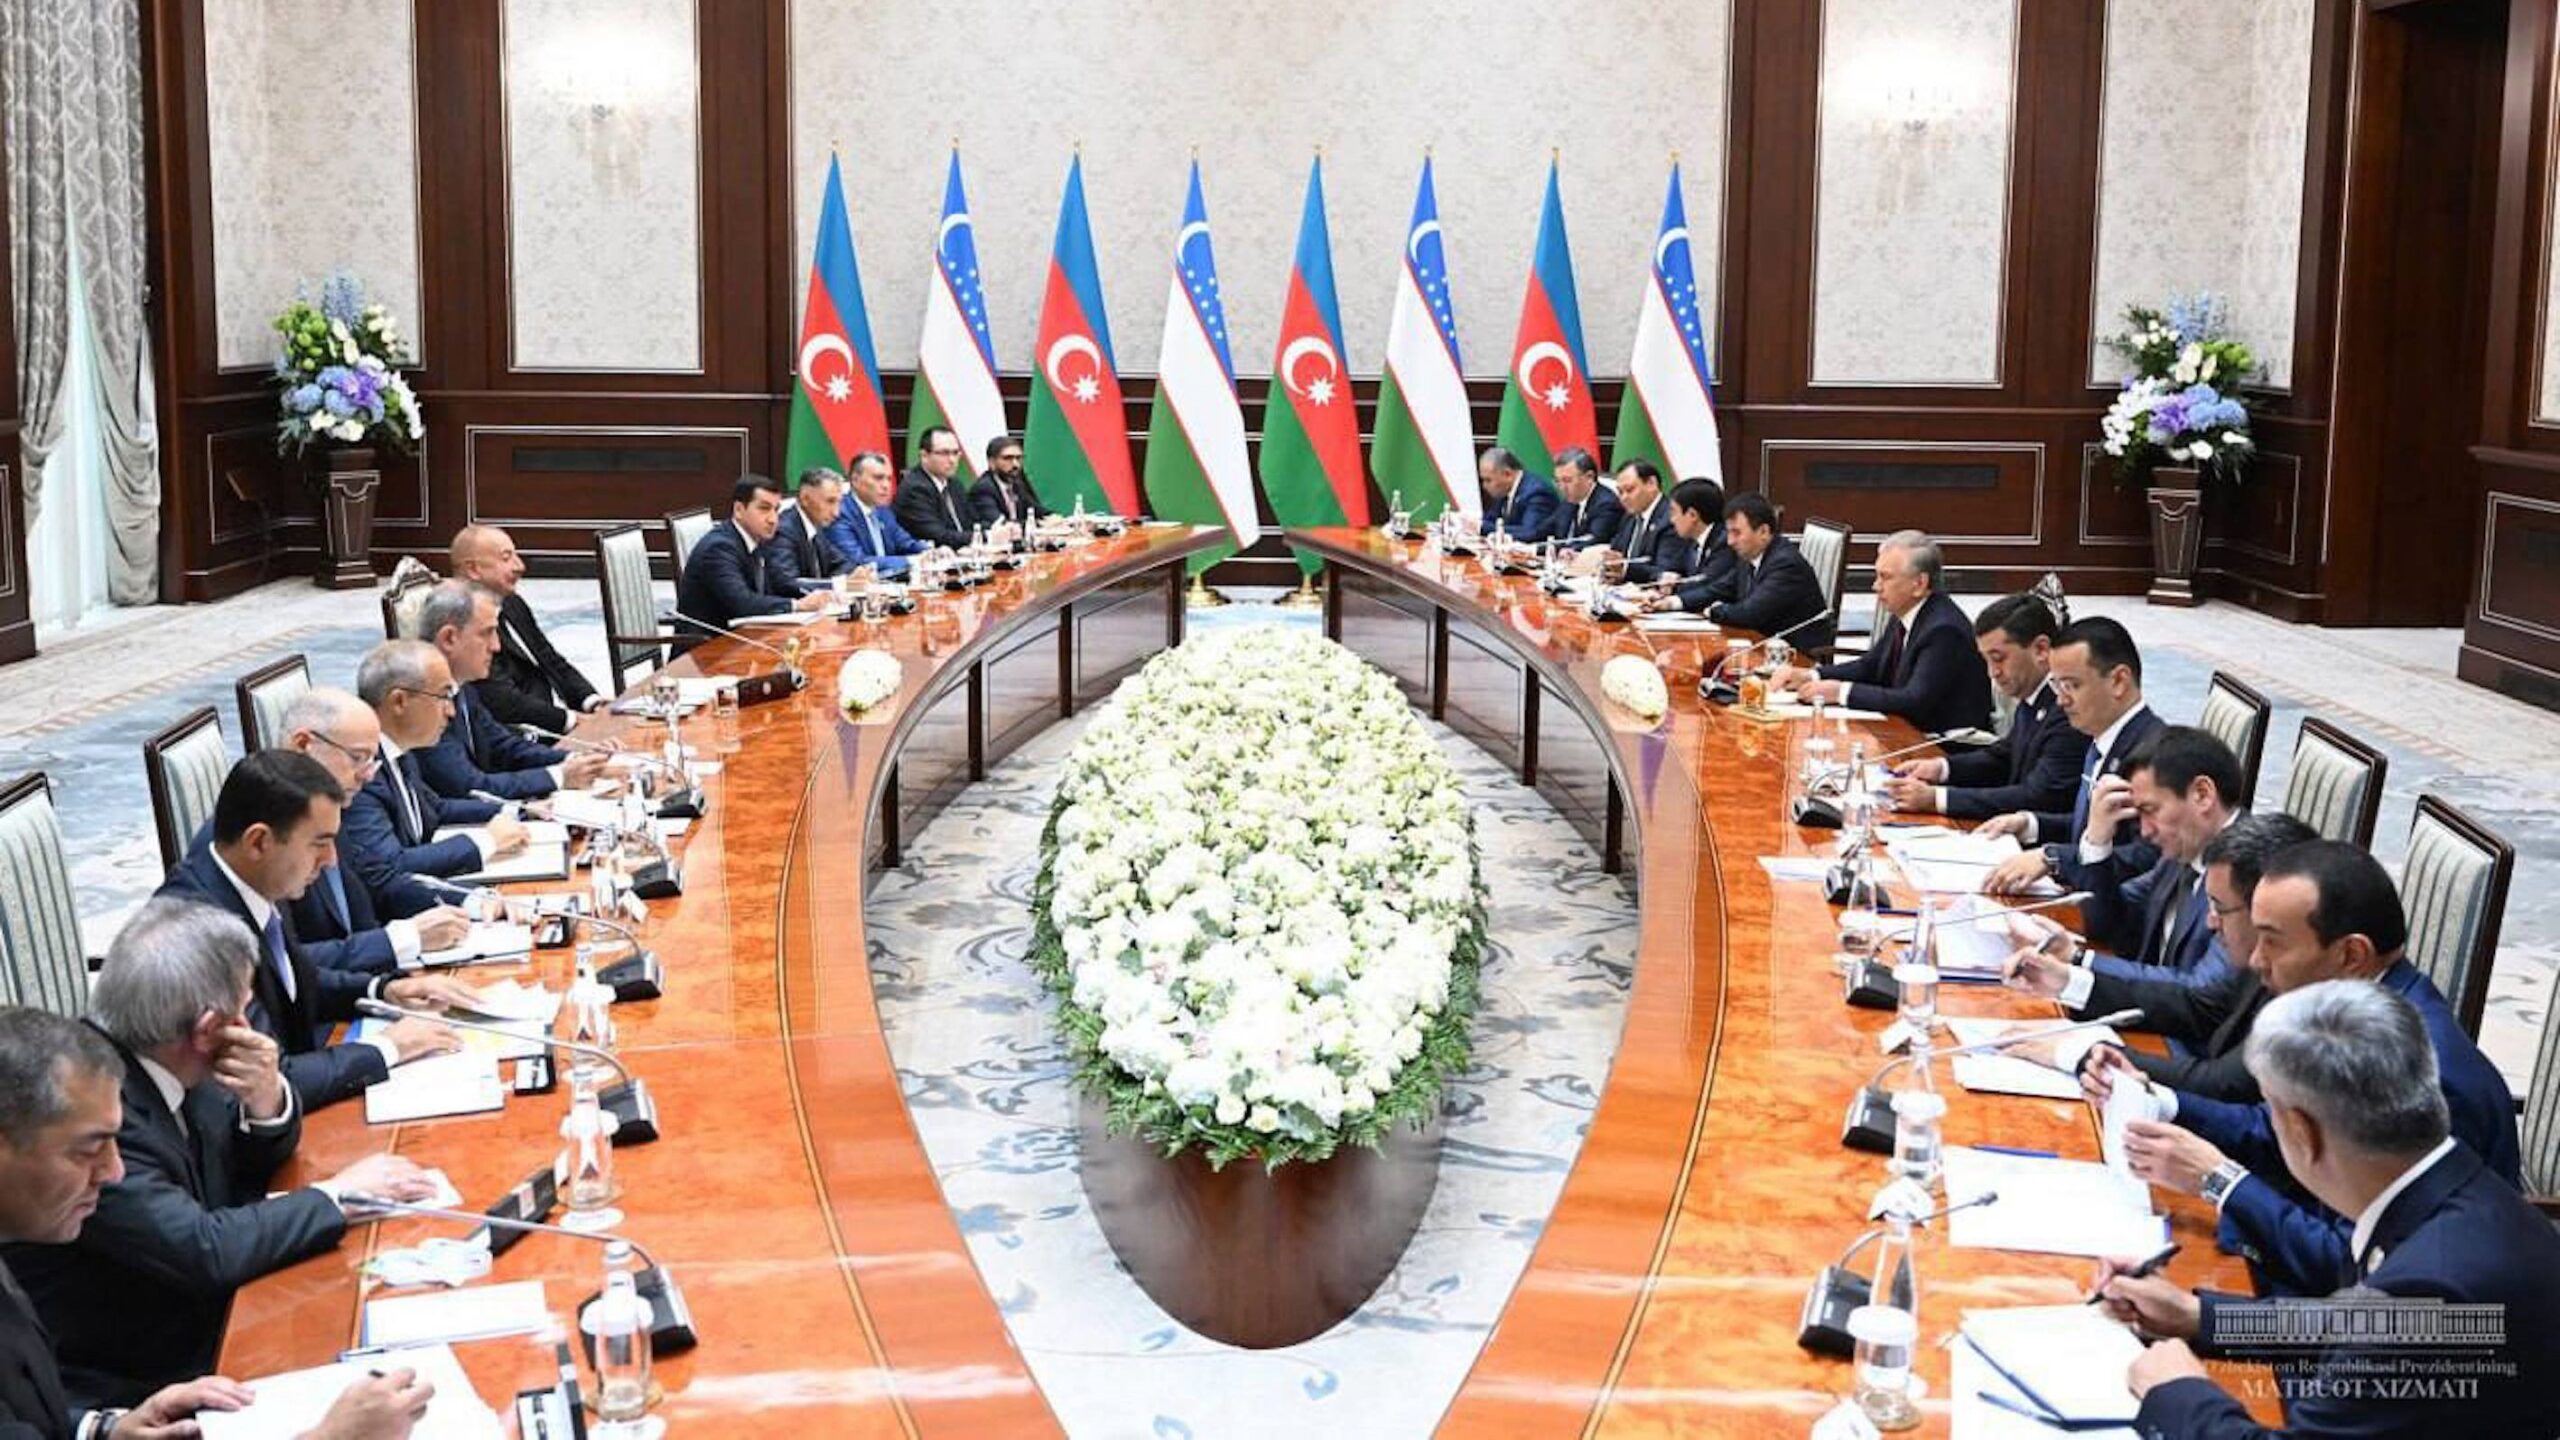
{"x": 1617, "y": 87}
{"x": 604, "y": 215}
{"x": 1912, "y": 200}
{"x": 2207, "y": 114}
{"x": 314, "y": 166}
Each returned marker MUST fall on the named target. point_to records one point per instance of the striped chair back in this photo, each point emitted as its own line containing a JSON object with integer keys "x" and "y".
{"x": 632, "y": 638}
{"x": 2453, "y": 884}
{"x": 685, "y": 529}
{"x": 2336, "y": 783}
{"x": 185, "y": 765}
{"x": 41, "y": 963}
{"x": 264, "y": 695}
{"x": 2237, "y": 716}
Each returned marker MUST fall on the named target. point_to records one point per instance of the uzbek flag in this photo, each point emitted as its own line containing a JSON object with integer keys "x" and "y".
{"x": 1669, "y": 413}
{"x": 1076, "y": 445}
{"x": 1546, "y": 402}
{"x": 956, "y": 359}
{"x": 1424, "y": 454}
{"x": 1197, "y": 468}
{"x": 836, "y": 411}
{"x": 1310, "y": 428}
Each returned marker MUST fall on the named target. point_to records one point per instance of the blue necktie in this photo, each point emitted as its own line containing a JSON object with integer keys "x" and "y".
{"x": 335, "y": 890}
{"x": 462, "y": 722}
{"x": 871, "y": 527}
{"x": 2080, "y": 803}
{"x": 282, "y": 957}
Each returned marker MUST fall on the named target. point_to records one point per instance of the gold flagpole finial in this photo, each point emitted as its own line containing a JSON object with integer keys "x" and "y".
{"x": 1675, "y": 154}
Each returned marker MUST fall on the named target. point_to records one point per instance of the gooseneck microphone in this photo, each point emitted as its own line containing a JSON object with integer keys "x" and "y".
{"x": 634, "y": 1112}
{"x": 798, "y": 679}
{"x": 671, "y": 1329}
{"x": 1824, "y": 1326}
{"x": 1869, "y": 1125}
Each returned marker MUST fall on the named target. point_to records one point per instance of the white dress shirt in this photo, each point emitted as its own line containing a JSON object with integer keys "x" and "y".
{"x": 2371, "y": 1219}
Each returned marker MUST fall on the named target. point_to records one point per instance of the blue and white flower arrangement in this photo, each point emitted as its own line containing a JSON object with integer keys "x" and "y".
{"x": 2181, "y": 403}
{"x": 338, "y": 376}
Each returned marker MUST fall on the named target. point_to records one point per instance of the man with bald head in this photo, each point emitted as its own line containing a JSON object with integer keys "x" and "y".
{"x": 529, "y": 682}
{"x": 336, "y": 917}
{"x": 390, "y": 825}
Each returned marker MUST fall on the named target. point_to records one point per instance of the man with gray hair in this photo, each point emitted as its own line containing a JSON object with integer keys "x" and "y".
{"x": 336, "y": 917}
{"x": 1519, "y": 504}
{"x": 389, "y": 831}
{"x": 477, "y": 752}
{"x": 1923, "y": 665}
{"x": 137, "y": 1301}
{"x": 2349, "y": 1075}
{"x": 59, "y": 1114}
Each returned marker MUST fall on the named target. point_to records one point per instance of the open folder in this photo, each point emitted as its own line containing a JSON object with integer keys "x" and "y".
{"x": 2041, "y": 1371}
{"x": 293, "y": 1403}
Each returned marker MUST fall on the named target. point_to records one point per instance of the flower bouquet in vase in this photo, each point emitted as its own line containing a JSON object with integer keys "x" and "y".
{"x": 341, "y": 400}
{"x": 2179, "y": 421}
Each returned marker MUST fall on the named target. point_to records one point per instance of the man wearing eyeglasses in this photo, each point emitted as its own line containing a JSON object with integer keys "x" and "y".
{"x": 390, "y": 828}
{"x": 478, "y": 753}
{"x": 930, "y": 503}
{"x": 336, "y": 918}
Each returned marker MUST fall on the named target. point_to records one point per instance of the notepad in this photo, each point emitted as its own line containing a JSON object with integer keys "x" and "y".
{"x": 2000, "y": 1074}
{"x": 508, "y": 1000}
{"x": 463, "y": 1083}
{"x": 1949, "y": 863}
{"x": 533, "y": 862}
{"x": 486, "y": 944}
{"x": 293, "y": 1403}
{"x": 2051, "y": 1207}
{"x": 585, "y": 810}
{"x": 474, "y": 1312}
{"x": 2065, "y": 1360}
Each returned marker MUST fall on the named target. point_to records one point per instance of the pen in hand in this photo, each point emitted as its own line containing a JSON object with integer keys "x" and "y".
{"x": 2150, "y": 1266}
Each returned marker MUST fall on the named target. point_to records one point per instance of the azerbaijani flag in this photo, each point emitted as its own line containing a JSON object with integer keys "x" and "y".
{"x": 836, "y": 411}
{"x": 1197, "y": 469}
{"x": 1076, "y": 446}
{"x": 1311, "y": 438}
{"x": 1669, "y": 415}
{"x": 1424, "y": 453}
{"x": 956, "y": 359}
{"x": 1546, "y": 402}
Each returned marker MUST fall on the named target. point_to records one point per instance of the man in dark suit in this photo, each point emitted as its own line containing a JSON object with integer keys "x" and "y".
{"x": 2205, "y": 1025}
{"x": 389, "y": 834}
{"x": 731, "y": 573}
{"x": 275, "y": 825}
{"x": 1647, "y": 543}
{"x": 2324, "y": 910}
{"x": 1587, "y": 512}
{"x": 529, "y": 682}
{"x": 2036, "y": 765}
{"x": 2155, "y": 925}
{"x": 1003, "y": 496}
{"x": 932, "y": 503}
{"x": 1923, "y": 666}
{"x": 1775, "y": 589}
{"x": 335, "y": 919}
{"x": 2097, "y": 679}
{"x": 1518, "y": 504}
{"x": 803, "y": 555}
{"x": 2356, "y": 1115}
{"x": 478, "y": 753}
{"x": 867, "y": 531}
{"x": 137, "y": 1301}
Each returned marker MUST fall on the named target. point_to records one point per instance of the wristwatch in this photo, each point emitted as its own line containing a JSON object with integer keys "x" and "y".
{"x": 2219, "y": 1182}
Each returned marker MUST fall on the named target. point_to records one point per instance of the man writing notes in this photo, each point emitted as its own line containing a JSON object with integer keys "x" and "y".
{"x": 1589, "y": 513}
{"x": 2355, "y": 1112}
{"x": 729, "y": 574}
{"x": 61, "y": 1084}
{"x": 867, "y": 531}
{"x": 931, "y": 504}
{"x": 477, "y": 752}
{"x": 529, "y": 683}
{"x": 137, "y": 1302}
{"x": 1923, "y": 666}
{"x": 1516, "y": 503}
{"x": 2036, "y": 765}
{"x": 1775, "y": 589}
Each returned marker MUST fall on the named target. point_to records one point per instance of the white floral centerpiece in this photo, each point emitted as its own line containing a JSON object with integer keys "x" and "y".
{"x": 1259, "y": 903}
{"x": 1634, "y": 682}
{"x": 868, "y": 678}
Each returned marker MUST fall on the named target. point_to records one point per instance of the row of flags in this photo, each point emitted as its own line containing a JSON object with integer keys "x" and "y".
{"x": 1076, "y": 443}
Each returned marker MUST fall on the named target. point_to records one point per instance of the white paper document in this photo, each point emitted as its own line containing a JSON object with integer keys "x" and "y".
{"x": 463, "y": 1083}
{"x": 1787, "y": 707}
{"x": 2005, "y": 1074}
{"x": 2066, "y": 1361}
{"x": 533, "y": 862}
{"x": 293, "y": 1403}
{"x": 486, "y": 944}
{"x": 1678, "y": 622}
{"x": 585, "y": 810}
{"x": 1970, "y": 939}
{"x": 474, "y": 1312}
{"x": 2126, "y": 1103}
{"x": 1955, "y": 864}
{"x": 509, "y": 1000}
{"x": 2052, "y": 1207}
{"x": 1795, "y": 867}
{"x": 787, "y": 620}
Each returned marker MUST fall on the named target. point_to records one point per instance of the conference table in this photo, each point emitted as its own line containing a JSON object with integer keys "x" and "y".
{"x": 793, "y": 1201}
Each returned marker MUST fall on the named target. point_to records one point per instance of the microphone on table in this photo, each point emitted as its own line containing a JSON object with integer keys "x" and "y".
{"x": 1816, "y": 813}
{"x": 1824, "y": 1327}
{"x": 1714, "y": 687}
{"x": 1869, "y": 1125}
{"x": 636, "y": 976}
{"x": 634, "y": 1112}
{"x": 670, "y": 1320}
{"x": 1870, "y": 982}
{"x": 682, "y": 803}
{"x": 750, "y": 692}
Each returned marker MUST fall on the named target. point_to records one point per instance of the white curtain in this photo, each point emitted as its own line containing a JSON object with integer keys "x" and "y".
{"x": 73, "y": 87}
{"x": 68, "y": 545}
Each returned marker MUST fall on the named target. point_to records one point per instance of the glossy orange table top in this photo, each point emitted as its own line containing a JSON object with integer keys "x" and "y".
{"x": 834, "y": 1293}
